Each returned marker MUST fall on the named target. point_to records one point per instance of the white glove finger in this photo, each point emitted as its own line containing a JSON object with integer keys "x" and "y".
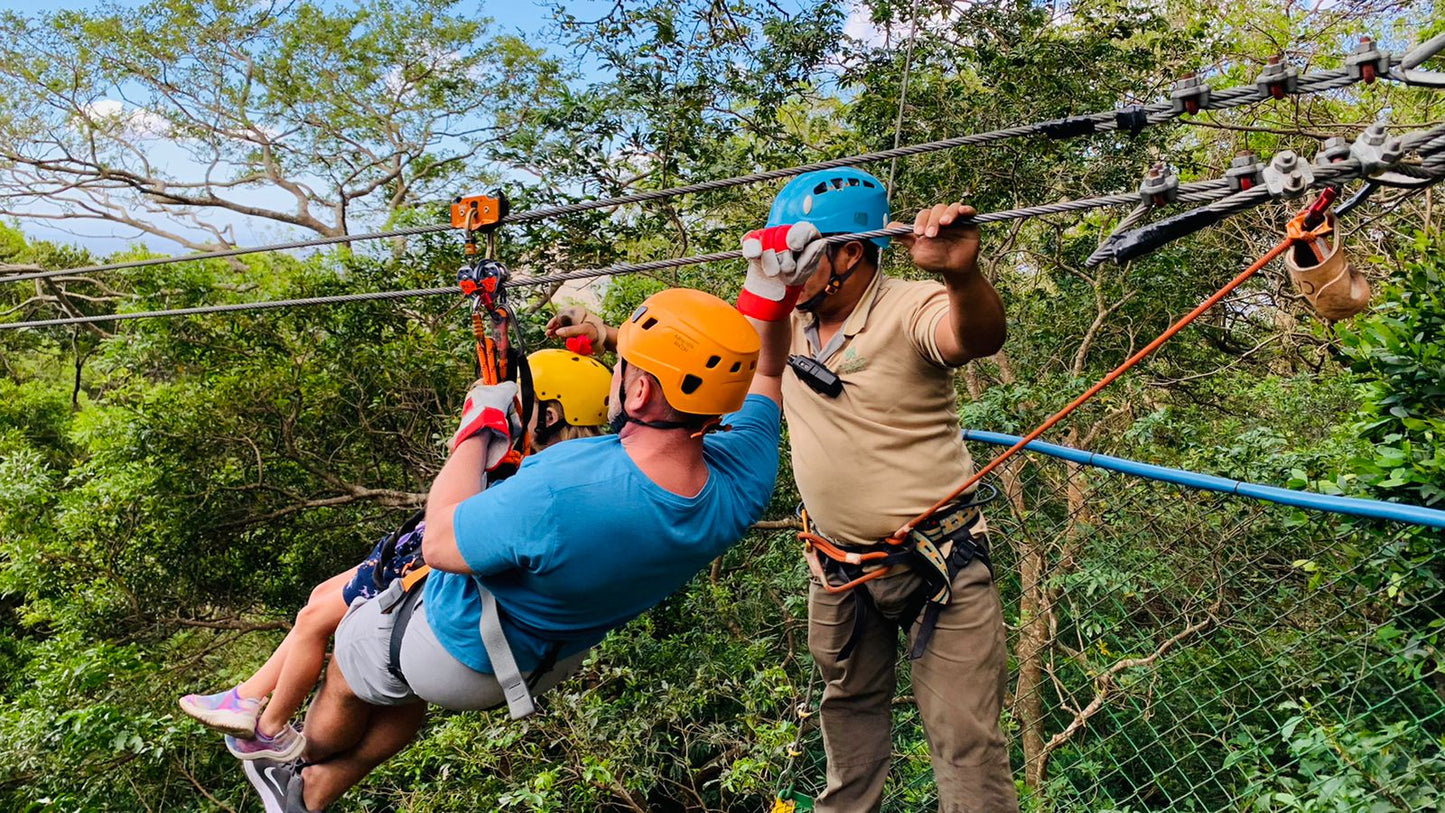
{"x": 770, "y": 263}
{"x": 752, "y": 248}
{"x": 786, "y": 265}
{"x": 801, "y": 234}
{"x": 809, "y": 259}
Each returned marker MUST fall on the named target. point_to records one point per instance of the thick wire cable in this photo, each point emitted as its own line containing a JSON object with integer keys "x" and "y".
{"x": 1200, "y": 191}
{"x": 1105, "y": 121}
{"x": 1215, "y": 192}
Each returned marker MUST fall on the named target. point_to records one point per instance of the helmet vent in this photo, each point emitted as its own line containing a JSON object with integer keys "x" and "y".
{"x": 714, "y": 361}
{"x": 752, "y": 365}
{"x": 869, "y": 184}
{"x": 649, "y": 323}
{"x": 820, "y": 189}
{"x": 737, "y": 365}
{"x": 690, "y": 383}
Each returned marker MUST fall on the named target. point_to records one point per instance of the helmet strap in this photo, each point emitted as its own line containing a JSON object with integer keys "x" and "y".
{"x": 835, "y": 284}
{"x": 543, "y": 434}
{"x": 624, "y": 417}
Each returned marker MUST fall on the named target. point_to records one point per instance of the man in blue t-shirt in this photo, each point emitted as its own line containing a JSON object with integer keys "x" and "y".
{"x": 584, "y": 537}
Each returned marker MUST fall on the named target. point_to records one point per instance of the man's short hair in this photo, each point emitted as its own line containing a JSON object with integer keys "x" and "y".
{"x": 669, "y": 413}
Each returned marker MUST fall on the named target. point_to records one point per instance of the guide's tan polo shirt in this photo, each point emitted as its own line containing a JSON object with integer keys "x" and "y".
{"x": 889, "y": 447}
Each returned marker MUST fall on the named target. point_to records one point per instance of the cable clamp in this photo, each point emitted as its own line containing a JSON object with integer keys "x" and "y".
{"x": 1132, "y": 119}
{"x": 1376, "y": 150}
{"x": 1287, "y": 176}
{"x": 1245, "y": 172}
{"x": 1277, "y": 79}
{"x": 1367, "y": 63}
{"x": 1189, "y": 95}
{"x": 1160, "y": 186}
{"x": 1067, "y": 128}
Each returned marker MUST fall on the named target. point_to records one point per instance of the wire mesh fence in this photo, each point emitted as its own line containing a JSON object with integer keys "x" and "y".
{"x": 1173, "y": 649}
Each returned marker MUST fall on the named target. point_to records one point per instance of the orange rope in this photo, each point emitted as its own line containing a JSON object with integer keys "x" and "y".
{"x": 902, "y": 533}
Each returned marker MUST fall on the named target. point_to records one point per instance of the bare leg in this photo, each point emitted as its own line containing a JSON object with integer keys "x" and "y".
{"x": 337, "y": 718}
{"x": 392, "y": 728}
{"x": 305, "y": 652}
{"x": 265, "y": 679}
{"x": 347, "y": 737}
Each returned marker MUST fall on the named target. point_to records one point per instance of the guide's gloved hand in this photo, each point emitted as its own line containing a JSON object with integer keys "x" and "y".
{"x": 492, "y": 409}
{"x": 780, "y": 260}
{"x": 578, "y": 323}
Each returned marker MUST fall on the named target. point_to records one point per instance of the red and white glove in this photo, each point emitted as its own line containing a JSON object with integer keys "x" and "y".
{"x": 780, "y": 259}
{"x": 492, "y": 409}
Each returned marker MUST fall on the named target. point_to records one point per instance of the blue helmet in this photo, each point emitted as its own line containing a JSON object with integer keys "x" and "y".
{"x": 835, "y": 201}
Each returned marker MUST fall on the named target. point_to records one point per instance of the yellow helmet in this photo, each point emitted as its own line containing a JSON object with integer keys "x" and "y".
{"x": 699, "y": 348}
{"x": 579, "y": 383}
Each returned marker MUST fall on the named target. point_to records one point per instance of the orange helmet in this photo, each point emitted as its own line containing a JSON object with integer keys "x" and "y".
{"x": 698, "y": 347}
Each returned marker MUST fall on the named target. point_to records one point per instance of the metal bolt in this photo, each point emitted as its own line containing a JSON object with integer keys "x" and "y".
{"x": 1336, "y": 149}
{"x": 1375, "y": 135}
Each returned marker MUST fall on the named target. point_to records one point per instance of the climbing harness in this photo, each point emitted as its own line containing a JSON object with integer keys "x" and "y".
{"x": 403, "y": 597}
{"x": 936, "y": 549}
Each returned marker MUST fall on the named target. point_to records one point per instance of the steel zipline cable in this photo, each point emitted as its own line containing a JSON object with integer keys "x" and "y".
{"x": 1217, "y": 193}
{"x": 1132, "y": 119}
{"x": 1202, "y": 191}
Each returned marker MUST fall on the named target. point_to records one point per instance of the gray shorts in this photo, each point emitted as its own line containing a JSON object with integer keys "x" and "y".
{"x": 363, "y": 651}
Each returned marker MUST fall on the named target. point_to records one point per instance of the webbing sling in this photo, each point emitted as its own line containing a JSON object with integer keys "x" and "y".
{"x": 504, "y": 664}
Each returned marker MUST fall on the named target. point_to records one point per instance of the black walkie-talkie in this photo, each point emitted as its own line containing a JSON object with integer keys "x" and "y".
{"x": 818, "y": 377}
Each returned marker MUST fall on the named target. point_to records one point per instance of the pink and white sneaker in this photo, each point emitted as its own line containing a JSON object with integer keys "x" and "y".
{"x": 283, "y": 746}
{"x": 227, "y": 712}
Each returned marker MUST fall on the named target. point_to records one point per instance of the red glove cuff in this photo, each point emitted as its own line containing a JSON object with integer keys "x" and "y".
{"x": 492, "y": 419}
{"x": 769, "y": 310}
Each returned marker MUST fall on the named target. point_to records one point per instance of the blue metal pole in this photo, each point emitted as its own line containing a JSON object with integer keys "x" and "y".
{"x": 1375, "y": 509}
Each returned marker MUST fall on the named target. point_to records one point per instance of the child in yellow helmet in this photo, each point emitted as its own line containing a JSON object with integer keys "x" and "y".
{"x": 571, "y": 392}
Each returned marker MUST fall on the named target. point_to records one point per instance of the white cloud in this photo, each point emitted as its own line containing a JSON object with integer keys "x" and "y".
{"x": 134, "y": 122}
{"x": 861, "y": 28}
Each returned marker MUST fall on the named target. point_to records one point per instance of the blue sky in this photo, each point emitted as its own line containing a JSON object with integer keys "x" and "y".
{"x": 527, "y": 18}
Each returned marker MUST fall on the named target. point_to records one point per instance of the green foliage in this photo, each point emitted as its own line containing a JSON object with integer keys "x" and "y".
{"x": 170, "y": 489}
{"x": 1398, "y": 355}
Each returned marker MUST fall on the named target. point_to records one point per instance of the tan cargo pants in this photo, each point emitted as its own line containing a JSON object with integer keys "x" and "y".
{"x": 959, "y": 685}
